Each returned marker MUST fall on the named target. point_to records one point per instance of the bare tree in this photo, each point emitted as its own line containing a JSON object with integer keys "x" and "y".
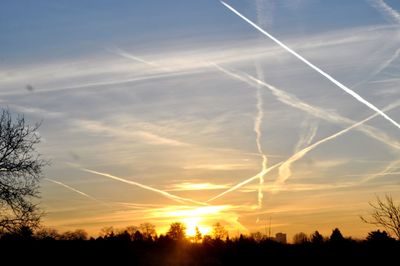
{"x": 386, "y": 214}
{"x": 20, "y": 172}
{"x": 148, "y": 230}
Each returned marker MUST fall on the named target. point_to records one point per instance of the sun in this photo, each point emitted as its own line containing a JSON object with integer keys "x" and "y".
{"x": 191, "y": 224}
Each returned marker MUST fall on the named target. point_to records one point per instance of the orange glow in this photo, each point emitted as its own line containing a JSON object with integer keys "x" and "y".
{"x": 192, "y": 223}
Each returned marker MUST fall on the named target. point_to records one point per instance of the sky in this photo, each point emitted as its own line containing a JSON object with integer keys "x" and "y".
{"x": 162, "y": 111}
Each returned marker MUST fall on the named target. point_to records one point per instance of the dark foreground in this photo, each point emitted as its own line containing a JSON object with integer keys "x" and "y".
{"x": 238, "y": 252}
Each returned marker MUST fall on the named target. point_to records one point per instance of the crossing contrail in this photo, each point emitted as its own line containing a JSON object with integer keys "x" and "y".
{"x": 164, "y": 193}
{"x": 285, "y": 171}
{"x": 326, "y": 75}
{"x": 241, "y": 184}
{"x": 297, "y": 103}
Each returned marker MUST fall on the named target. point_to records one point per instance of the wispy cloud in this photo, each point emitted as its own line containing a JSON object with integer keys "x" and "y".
{"x": 148, "y": 137}
{"x": 219, "y": 167}
{"x": 317, "y": 69}
{"x": 295, "y": 102}
{"x": 190, "y": 186}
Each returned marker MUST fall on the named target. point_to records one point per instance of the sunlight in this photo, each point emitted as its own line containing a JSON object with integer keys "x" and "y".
{"x": 201, "y": 217}
{"x": 197, "y": 186}
{"x": 193, "y": 222}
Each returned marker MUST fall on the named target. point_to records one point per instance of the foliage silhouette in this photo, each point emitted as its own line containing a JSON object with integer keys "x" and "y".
{"x": 177, "y": 231}
{"x": 129, "y": 246}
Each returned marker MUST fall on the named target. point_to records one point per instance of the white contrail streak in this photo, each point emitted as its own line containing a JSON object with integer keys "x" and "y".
{"x": 384, "y": 172}
{"x": 125, "y": 54}
{"x": 384, "y": 8}
{"x": 257, "y": 129}
{"x": 241, "y": 184}
{"x": 327, "y": 76}
{"x": 295, "y": 102}
{"x": 285, "y": 169}
{"x": 71, "y": 188}
{"x": 380, "y": 68}
{"x": 298, "y": 156}
{"x": 388, "y": 62}
{"x": 306, "y": 139}
{"x": 164, "y": 193}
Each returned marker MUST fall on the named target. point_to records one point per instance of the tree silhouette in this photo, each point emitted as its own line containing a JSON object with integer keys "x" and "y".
{"x": 379, "y": 237}
{"x": 316, "y": 238}
{"x": 219, "y": 232}
{"x": 177, "y": 231}
{"x": 385, "y": 214}
{"x": 300, "y": 238}
{"x": 336, "y": 236}
{"x": 148, "y": 231}
{"x": 198, "y": 236}
{"x": 78, "y": 234}
{"x": 20, "y": 172}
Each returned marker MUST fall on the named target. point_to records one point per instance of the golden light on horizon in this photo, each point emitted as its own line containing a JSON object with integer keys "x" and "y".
{"x": 193, "y": 222}
{"x": 201, "y": 217}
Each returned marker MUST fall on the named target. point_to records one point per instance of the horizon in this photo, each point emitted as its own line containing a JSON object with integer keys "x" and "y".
{"x": 185, "y": 112}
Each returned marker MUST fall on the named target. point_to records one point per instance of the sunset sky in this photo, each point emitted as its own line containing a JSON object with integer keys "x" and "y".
{"x": 152, "y": 110}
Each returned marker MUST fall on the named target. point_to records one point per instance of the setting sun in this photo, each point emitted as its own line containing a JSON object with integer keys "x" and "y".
{"x": 192, "y": 223}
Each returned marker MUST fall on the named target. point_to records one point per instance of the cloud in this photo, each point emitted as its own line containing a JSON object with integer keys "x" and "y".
{"x": 190, "y": 186}
{"x": 297, "y": 103}
{"x": 148, "y": 137}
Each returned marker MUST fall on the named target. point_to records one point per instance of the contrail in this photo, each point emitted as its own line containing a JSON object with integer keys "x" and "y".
{"x": 72, "y": 189}
{"x": 295, "y": 102}
{"x": 384, "y": 172}
{"x": 388, "y": 62}
{"x": 298, "y": 155}
{"x": 384, "y": 8}
{"x": 125, "y": 54}
{"x": 257, "y": 129}
{"x": 164, "y": 193}
{"x": 306, "y": 138}
{"x": 327, "y": 76}
{"x": 241, "y": 184}
{"x": 380, "y": 68}
{"x": 285, "y": 169}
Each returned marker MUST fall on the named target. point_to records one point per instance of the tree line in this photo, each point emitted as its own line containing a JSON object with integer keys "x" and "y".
{"x": 21, "y": 169}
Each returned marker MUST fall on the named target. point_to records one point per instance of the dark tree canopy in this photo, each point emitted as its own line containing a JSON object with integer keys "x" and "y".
{"x": 177, "y": 231}
{"x": 336, "y": 235}
{"x": 20, "y": 172}
{"x": 316, "y": 238}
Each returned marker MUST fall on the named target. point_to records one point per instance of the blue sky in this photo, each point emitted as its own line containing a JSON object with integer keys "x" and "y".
{"x": 158, "y": 92}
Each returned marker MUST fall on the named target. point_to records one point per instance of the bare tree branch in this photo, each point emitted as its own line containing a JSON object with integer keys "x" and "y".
{"x": 386, "y": 214}
{"x": 20, "y": 172}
